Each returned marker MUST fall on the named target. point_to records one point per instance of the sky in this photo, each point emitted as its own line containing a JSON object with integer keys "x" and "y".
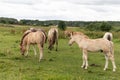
{"x": 69, "y": 10}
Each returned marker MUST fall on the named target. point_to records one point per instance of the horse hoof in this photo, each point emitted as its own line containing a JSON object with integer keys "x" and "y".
{"x": 104, "y": 69}
{"x": 114, "y": 70}
{"x": 82, "y": 66}
{"x": 85, "y": 67}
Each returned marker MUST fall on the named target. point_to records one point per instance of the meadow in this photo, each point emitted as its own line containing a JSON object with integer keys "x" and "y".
{"x": 64, "y": 64}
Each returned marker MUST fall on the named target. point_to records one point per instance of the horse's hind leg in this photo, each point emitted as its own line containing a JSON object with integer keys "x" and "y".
{"x": 106, "y": 64}
{"x": 41, "y": 52}
{"x": 56, "y": 45}
{"x": 111, "y": 57}
{"x": 113, "y": 62}
{"x": 34, "y": 50}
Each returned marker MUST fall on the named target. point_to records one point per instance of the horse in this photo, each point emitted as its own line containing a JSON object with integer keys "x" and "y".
{"x": 31, "y": 38}
{"x": 94, "y": 45}
{"x": 68, "y": 32}
{"x": 53, "y": 38}
{"x": 108, "y": 36}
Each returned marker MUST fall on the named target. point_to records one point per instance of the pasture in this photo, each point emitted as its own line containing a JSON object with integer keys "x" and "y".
{"x": 64, "y": 64}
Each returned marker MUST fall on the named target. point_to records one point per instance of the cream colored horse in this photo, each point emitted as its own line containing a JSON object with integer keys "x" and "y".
{"x": 33, "y": 37}
{"x": 53, "y": 38}
{"x": 108, "y": 36}
{"x": 94, "y": 45}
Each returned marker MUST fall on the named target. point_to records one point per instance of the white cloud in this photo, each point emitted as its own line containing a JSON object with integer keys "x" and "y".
{"x": 87, "y": 10}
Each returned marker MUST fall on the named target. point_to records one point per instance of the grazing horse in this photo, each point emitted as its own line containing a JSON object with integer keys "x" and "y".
{"x": 53, "y": 38}
{"x": 94, "y": 45}
{"x": 67, "y": 33}
{"x": 108, "y": 36}
{"x": 33, "y": 37}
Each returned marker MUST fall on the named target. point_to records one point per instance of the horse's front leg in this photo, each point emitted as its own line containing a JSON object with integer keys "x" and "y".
{"x": 83, "y": 65}
{"x": 34, "y": 50}
{"x": 85, "y": 57}
{"x": 27, "y": 49}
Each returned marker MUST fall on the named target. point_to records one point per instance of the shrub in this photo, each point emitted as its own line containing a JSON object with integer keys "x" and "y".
{"x": 62, "y": 25}
{"x": 105, "y": 26}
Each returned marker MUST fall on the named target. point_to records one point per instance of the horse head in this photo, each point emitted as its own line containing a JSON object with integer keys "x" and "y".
{"x": 71, "y": 41}
{"x": 22, "y": 49}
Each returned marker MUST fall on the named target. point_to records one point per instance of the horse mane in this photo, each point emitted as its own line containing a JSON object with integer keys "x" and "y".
{"x": 23, "y": 38}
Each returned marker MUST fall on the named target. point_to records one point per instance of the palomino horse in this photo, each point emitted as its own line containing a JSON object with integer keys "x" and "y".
{"x": 108, "y": 36}
{"x": 68, "y": 32}
{"x": 33, "y": 37}
{"x": 94, "y": 45}
{"x": 53, "y": 38}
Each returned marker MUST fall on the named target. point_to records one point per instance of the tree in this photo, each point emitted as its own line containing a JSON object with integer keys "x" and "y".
{"x": 105, "y": 26}
{"x": 93, "y": 26}
{"x": 62, "y": 25}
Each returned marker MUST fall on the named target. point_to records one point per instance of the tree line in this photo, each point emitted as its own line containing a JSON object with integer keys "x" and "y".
{"x": 90, "y": 25}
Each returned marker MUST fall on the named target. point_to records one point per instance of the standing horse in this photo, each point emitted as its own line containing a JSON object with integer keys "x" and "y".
{"x": 53, "y": 38}
{"x": 94, "y": 45}
{"x": 108, "y": 36}
{"x": 33, "y": 37}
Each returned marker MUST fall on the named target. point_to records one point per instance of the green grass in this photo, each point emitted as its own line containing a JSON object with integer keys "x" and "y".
{"x": 65, "y": 64}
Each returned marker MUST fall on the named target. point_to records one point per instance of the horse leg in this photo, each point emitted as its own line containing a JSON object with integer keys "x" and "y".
{"x": 113, "y": 62}
{"x": 85, "y": 56}
{"x": 111, "y": 57}
{"x": 56, "y": 45}
{"x": 83, "y": 65}
{"x": 27, "y": 48}
{"x": 41, "y": 52}
{"x": 106, "y": 64}
{"x": 34, "y": 50}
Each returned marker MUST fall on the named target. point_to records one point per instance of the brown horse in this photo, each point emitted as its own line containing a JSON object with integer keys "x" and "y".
{"x": 68, "y": 32}
{"x": 33, "y": 37}
{"x": 94, "y": 45}
{"x": 53, "y": 38}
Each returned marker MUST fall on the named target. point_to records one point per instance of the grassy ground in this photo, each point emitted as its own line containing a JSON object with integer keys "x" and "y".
{"x": 61, "y": 65}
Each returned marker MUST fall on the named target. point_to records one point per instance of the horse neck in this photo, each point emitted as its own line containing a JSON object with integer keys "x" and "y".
{"x": 79, "y": 41}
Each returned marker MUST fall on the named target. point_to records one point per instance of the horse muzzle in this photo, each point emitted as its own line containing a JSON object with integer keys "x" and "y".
{"x": 69, "y": 44}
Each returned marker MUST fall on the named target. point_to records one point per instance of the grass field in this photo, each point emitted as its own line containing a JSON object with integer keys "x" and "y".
{"x": 65, "y": 64}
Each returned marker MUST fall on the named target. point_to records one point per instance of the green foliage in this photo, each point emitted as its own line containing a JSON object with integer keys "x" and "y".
{"x": 8, "y": 20}
{"x": 62, "y": 25}
{"x": 93, "y": 27}
{"x": 105, "y": 26}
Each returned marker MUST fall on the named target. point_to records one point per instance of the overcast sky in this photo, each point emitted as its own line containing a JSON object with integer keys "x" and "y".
{"x": 71, "y": 10}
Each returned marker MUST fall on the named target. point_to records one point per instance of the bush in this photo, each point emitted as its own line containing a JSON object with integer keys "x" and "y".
{"x": 62, "y": 25}
{"x": 105, "y": 26}
{"x": 93, "y": 26}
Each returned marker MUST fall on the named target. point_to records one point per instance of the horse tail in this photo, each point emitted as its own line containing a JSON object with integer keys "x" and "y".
{"x": 108, "y": 36}
{"x": 45, "y": 36}
{"x": 54, "y": 37}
